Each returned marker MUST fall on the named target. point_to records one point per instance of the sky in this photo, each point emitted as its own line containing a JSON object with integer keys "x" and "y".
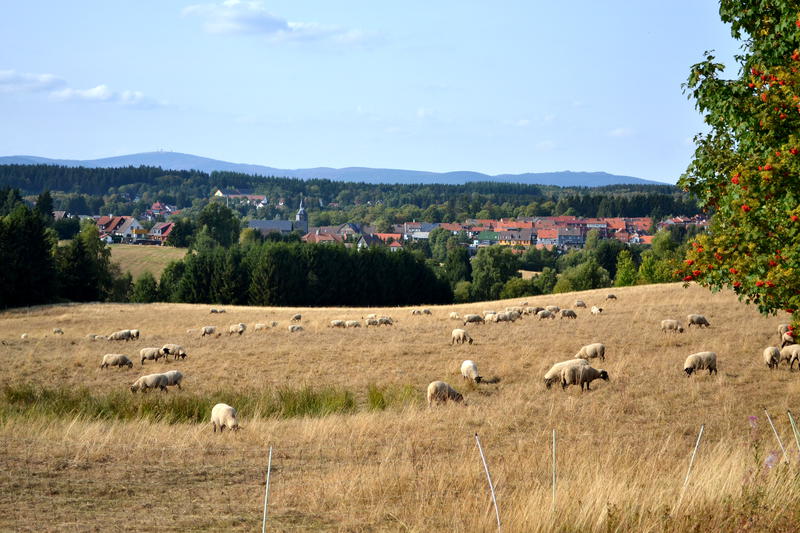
{"x": 494, "y": 87}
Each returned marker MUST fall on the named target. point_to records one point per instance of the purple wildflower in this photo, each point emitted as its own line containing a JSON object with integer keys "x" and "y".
{"x": 753, "y": 421}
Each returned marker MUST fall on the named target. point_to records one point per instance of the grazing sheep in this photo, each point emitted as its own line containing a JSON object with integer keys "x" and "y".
{"x": 121, "y": 335}
{"x": 469, "y": 370}
{"x": 372, "y": 322}
{"x": 590, "y": 351}
{"x": 24, "y": 336}
{"x": 697, "y": 320}
{"x": 152, "y": 354}
{"x": 353, "y": 324}
{"x": 502, "y": 317}
{"x": 581, "y": 375}
{"x": 336, "y": 324}
{"x": 790, "y": 354}
{"x": 294, "y": 328}
{"x": 544, "y": 313}
{"x": 217, "y": 310}
{"x": 554, "y": 374}
{"x": 568, "y": 313}
{"x": 385, "y": 321}
{"x": 596, "y": 310}
{"x": 553, "y": 308}
{"x": 491, "y": 317}
{"x": 371, "y": 315}
{"x": 700, "y": 361}
{"x": 207, "y": 330}
{"x": 441, "y": 392}
{"x": 489, "y": 312}
{"x": 787, "y": 339}
{"x": 459, "y": 336}
{"x": 415, "y": 312}
{"x": 772, "y": 357}
{"x": 273, "y": 324}
{"x": 116, "y": 359}
{"x": 135, "y": 334}
{"x": 611, "y": 297}
{"x": 150, "y": 381}
{"x": 580, "y": 303}
{"x": 783, "y": 328}
{"x": 224, "y": 416}
{"x": 455, "y": 316}
{"x": 58, "y": 331}
{"x": 93, "y": 337}
{"x": 176, "y": 350}
{"x": 297, "y": 318}
{"x": 237, "y": 328}
{"x": 259, "y": 327}
{"x": 426, "y": 312}
{"x": 174, "y": 378}
{"x": 671, "y": 325}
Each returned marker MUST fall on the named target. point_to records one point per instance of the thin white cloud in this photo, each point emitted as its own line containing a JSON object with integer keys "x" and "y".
{"x": 545, "y": 146}
{"x": 523, "y": 122}
{"x": 621, "y": 132}
{"x": 252, "y": 18}
{"x": 102, "y": 93}
{"x": 12, "y": 81}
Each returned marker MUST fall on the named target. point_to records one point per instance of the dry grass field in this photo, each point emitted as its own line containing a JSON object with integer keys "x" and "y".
{"x": 137, "y": 258}
{"x": 622, "y": 451}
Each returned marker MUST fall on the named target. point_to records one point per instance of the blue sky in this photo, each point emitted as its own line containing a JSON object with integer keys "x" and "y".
{"x": 501, "y": 87}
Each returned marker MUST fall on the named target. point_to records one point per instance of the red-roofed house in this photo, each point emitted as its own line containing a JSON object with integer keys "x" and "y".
{"x": 547, "y": 237}
{"x": 161, "y": 231}
{"x": 386, "y": 237}
{"x": 322, "y": 238}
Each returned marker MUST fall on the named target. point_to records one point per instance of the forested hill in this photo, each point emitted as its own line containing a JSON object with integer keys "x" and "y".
{"x": 179, "y": 161}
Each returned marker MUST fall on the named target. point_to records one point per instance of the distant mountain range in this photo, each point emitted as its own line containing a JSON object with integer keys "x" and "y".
{"x": 179, "y": 161}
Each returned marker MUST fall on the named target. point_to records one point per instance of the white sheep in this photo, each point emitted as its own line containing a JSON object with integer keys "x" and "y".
{"x": 591, "y": 351}
{"x": 352, "y": 324}
{"x": 581, "y": 375}
{"x": 772, "y": 357}
{"x": 459, "y": 336}
{"x": 336, "y": 324}
{"x": 596, "y": 310}
{"x": 544, "y": 313}
{"x": 554, "y": 374}
{"x": 790, "y": 354}
{"x": 174, "y": 378}
{"x": 297, "y": 318}
{"x": 371, "y": 316}
{"x": 671, "y": 325}
{"x": 415, "y": 312}
{"x": 237, "y": 328}
{"x": 700, "y": 361}
{"x": 426, "y": 312}
{"x": 24, "y": 336}
{"x": 372, "y": 322}
{"x": 150, "y": 381}
{"x": 152, "y": 354}
{"x": 135, "y": 334}
{"x": 553, "y": 308}
{"x": 469, "y": 370}
{"x": 217, "y": 310}
{"x": 697, "y": 320}
{"x": 121, "y": 335}
{"x": 568, "y": 313}
{"x": 207, "y": 330}
{"x": 176, "y": 350}
{"x": 441, "y": 392}
{"x": 224, "y": 416}
{"x": 535, "y": 310}
{"x": 783, "y": 328}
{"x": 502, "y": 317}
{"x": 580, "y": 303}
{"x": 385, "y": 321}
{"x": 294, "y": 328}
{"x": 93, "y": 337}
{"x": 58, "y": 331}
{"x": 787, "y": 339}
{"x": 455, "y": 316}
{"x": 116, "y": 359}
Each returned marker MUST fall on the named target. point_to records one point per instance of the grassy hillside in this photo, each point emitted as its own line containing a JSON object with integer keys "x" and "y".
{"x": 137, "y": 259}
{"x": 79, "y": 450}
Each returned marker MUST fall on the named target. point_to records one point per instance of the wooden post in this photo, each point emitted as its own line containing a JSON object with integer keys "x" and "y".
{"x": 489, "y": 477}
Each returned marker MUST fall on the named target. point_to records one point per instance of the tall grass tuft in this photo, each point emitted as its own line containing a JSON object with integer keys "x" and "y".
{"x": 380, "y": 398}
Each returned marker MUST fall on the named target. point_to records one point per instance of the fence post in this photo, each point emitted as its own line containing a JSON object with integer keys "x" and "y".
{"x": 489, "y": 477}
{"x": 691, "y": 462}
{"x": 775, "y": 431}
{"x": 266, "y": 492}
{"x": 794, "y": 429}
{"x": 553, "y": 506}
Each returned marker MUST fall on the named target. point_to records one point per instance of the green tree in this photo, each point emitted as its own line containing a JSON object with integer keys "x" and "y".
{"x": 746, "y": 167}
{"x": 457, "y": 267}
{"x": 588, "y": 275}
{"x": 518, "y": 288}
{"x": 222, "y": 223}
{"x": 492, "y": 267}
{"x": 627, "y": 272}
{"x": 181, "y": 234}
{"x": 145, "y": 290}
{"x": 44, "y": 206}
{"x": 546, "y": 280}
{"x": 462, "y": 292}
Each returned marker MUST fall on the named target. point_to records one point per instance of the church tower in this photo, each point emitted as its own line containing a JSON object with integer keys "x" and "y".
{"x": 301, "y": 219}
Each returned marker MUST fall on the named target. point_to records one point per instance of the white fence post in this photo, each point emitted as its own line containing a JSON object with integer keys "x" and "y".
{"x": 489, "y": 477}
{"x": 266, "y": 492}
{"x": 553, "y": 506}
{"x": 775, "y": 431}
{"x": 691, "y": 462}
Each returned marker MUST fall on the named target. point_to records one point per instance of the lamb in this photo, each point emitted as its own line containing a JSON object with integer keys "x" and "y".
{"x": 58, "y": 331}
{"x": 336, "y": 324}
{"x": 469, "y": 370}
{"x": 568, "y": 313}
{"x": 207, "y": 330}
{"x": 772, "y": 357}
{"x": 224, "y": 416}
{"x": 121, "y": 335}
{"x": 459, "y": 336}
{"x": 297, "y": 318}
{"x": 237, "y": 328}
{"x": 352, "y": 324}
{"x": 590, "y": 351}
{"x": 554, "y": 374}
{"x": 697, "y": 320}
{"x": 671, "y": 325}
{"x": 175, "y": 349}
{"x": 259, "y": 327}
{"x": 581, "y": 375}
{"x": 116, "y": 359}
{"x": 455, "y": 316}
{"x": 294, "y": 328}
{"x": 553, "y": 308}
{"x": 790, "y": 354}
{"x": 544, "y": 313}
{"x": 174, "y": 378}
{"x": 150, "y": 381}
{"x": 441, "y": 392}
{"x": 596, "y": 310}
{"x": 700, "y": 361}
{"x": 152, "y": 354}
{"x": 580, "y": 303}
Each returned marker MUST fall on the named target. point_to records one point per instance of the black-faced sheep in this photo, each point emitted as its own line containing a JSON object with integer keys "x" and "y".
{"x": 459, "y": 336}
{"x": 207, "y": 330}
{"x": 700, "y": 361}
{"x": 176, "y": 350}
{"x": 352, "y": 324}
{"x": 337, "y": 324}
{"x": 591, "y": 351}
{"x": 581, "y": 375}
{"x": 151, "y": 354}
{"x": 174, "y": 378}
{"x": 58, "y": 331}
{"x": 610, "y": 297}
{"x": 294, "y": 328}
{"x": 441, "y": 392}
{"x": 544, "y": 313}
{"x": 596, "y": 310}
{"x": 224, "y": 416}
{"x": 697, "y": 320}
{"x": 297, "y": 318}
{"x": 116, "y": 359}
{"x": 671, "y": 325}
{"x": 237, "y": 329}
{"x": 790, "y": 354}
{"x": 150, "y": 381}
{"x": 554, "y": 374}
{"x": 121, "y": 335}
{"x": 568, "y": 313}
{"x": 772, "y": 357}
{"x": 469, "y": 370}
{"x": 580, "y": 303}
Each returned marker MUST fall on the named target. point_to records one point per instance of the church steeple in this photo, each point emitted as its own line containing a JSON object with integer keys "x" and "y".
{"x": 301, "y": 213}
